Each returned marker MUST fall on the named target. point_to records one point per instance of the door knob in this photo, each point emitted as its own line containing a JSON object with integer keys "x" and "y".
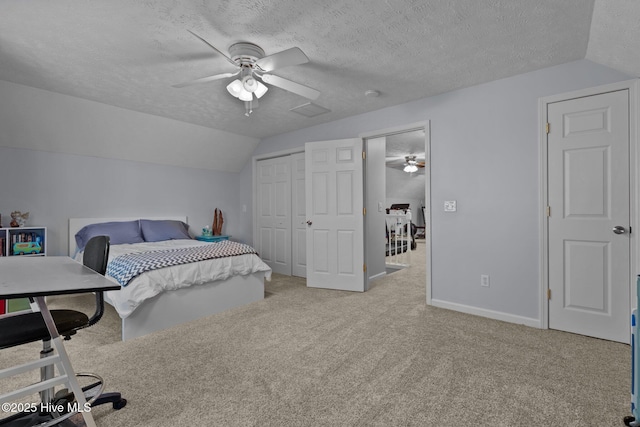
{"x": 618, "y": 229}
{"x": 309, "y": 222}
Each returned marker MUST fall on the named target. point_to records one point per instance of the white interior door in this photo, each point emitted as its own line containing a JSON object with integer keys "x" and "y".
{"x": 274, "y": 213}
{"x": 334, "y": 207}
{"x": 299, "y": 224}
{"x": 588, "y": 188}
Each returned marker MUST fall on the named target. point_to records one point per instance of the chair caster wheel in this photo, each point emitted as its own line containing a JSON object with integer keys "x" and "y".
{"x": 120, "y": 404}
{"x": 630, "y": 421}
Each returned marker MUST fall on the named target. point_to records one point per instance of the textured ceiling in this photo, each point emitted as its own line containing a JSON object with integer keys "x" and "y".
{"x": 400, "y": 145}
{"x": 129, "y": 53}
{"x": 615, "y": 35}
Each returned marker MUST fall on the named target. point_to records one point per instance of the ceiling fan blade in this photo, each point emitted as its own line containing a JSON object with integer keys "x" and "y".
{"x": 214, "y": 48}
{"x": 207, "y": 79}
{"x": 286, "y": 58}
{"x": 392, "y": 158}
{"x": 290, "y": 86}
{"x": 395, "y": 164}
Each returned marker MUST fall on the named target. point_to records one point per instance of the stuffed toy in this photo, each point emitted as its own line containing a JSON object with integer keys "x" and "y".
{"x": 19, "y": 219}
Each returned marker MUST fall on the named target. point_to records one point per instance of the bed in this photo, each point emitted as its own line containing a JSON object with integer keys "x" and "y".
{"x": 174, "y": 294}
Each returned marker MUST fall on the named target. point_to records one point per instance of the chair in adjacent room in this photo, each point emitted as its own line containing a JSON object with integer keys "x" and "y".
{"x": 30, "y": 327}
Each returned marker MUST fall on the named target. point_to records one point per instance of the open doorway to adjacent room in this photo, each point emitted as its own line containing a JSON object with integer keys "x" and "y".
{"x": 397, "y": 200}
{"x": 405, "y": 182}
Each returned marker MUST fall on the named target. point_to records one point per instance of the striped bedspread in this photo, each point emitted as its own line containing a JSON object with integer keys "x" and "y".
{"x": 125, "y": 267}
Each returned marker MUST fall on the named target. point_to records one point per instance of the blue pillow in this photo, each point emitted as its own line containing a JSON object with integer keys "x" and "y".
{"x": 163, "y": 229}
{"x": 118, "y": 232}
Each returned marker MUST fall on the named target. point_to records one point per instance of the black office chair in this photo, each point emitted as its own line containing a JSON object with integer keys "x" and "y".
{"x": 29, "y": 327}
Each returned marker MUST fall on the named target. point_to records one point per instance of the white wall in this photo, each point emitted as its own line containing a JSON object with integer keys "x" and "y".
{"x": 484, "y": 154}
{"x": 42, "y": 120}
{"x": 38, "y": 127}
{"x": 402, "y": 187}
{"x": 54, "y": 187}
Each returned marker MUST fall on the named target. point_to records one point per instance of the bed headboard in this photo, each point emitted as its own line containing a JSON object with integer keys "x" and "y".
{"x": 76, "y": 224}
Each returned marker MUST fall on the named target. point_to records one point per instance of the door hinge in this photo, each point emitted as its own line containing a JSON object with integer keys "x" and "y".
{"x": 548, "y": 210}
{"x": 364, "y": 267}
{"x": 364, "y": 155}
{"x": 547, "y": 127}
{"x": 548, "y": 294}
{"x": 364, "y": 211}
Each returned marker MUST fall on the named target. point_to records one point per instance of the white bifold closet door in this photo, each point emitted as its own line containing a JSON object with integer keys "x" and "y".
{"x": 281, "y": 237}
{"x": 299, "y": 217}
{"x": 273, "y": 242}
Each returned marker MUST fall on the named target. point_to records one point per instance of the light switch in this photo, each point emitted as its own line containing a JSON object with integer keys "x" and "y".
{"x": 380, "y": 207}
{"x": 450, "y": 206}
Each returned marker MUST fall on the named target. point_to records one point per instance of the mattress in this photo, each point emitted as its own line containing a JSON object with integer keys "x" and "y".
{"x": 151, "y": 283}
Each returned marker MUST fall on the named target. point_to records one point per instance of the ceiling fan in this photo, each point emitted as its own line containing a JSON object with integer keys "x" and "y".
{"x": 409, "y": 163}
{"x": 253, "y": 68}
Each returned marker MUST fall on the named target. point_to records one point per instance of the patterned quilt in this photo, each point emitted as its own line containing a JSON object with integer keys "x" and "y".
{"x": 126, "y": 267}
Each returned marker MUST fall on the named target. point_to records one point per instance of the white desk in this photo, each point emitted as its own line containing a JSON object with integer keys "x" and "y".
{"x": 37, "y": 277}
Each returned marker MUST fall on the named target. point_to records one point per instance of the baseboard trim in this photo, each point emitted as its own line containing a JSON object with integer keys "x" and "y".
{"x": 491, "y": 314}
{"x": 377, "y": 276}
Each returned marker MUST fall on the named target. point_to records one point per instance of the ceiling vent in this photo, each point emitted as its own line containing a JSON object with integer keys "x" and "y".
{"x": 310, "y": 109}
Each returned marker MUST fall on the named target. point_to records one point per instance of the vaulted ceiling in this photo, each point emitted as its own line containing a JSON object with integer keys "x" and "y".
{"x": 130, "y": 53}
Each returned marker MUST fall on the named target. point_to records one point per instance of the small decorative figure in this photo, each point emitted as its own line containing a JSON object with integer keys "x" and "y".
{"x": 217, "y": 223}
{"x": 18, "y": 219}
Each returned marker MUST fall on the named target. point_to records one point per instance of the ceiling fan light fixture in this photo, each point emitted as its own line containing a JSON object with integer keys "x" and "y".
{"x": 252, "y": 64}
{"x": 235, "y": 88}
{"x": 249, "y": 83}
{"x": 245, "y": 96}
{"x": 410, "y": 168}
{"x": 261, "y": 90}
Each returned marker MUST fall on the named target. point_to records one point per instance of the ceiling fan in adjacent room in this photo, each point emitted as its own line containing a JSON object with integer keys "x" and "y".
{"x": 409, "y": 163}
{"x": 253, "y": 69}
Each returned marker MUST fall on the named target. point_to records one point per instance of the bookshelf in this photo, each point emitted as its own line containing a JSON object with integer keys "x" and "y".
{"x": 27, "y": 241}
{"x": 21, "y": 241}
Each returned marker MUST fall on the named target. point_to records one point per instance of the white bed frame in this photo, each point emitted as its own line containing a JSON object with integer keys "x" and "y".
{"x": 172, "y": 308}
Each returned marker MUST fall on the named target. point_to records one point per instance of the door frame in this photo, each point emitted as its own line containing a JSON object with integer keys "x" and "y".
{"x": 634, "y": 189}
{"x": 426, "y": 126}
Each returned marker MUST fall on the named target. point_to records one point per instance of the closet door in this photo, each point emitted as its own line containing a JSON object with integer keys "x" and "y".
{"x": 273, "y": 242}
{"x": 299, "y": 240}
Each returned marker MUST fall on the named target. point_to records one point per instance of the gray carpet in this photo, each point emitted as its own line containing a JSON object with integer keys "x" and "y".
{"x": 309, "y": 357}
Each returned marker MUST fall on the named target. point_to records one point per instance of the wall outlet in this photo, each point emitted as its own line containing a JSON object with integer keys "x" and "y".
{"x": 484, "y": 280}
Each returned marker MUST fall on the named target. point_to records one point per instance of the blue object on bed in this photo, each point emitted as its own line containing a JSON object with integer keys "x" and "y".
{"x": 163, "y": 229}
{"x": 119, "y": 232}
{"x": 126, "y": 267}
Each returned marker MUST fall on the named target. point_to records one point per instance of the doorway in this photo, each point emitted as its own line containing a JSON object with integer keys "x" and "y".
{"x": 405, "y": 182}
{"x": 387, "y": 184}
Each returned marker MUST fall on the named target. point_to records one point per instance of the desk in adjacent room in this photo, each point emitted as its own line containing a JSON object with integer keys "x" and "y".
{"x": 37, "y": 277}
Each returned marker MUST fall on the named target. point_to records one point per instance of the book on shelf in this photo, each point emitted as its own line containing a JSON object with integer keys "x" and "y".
{"x": 24, "y": 237}
{"x": 3, "y": 306}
